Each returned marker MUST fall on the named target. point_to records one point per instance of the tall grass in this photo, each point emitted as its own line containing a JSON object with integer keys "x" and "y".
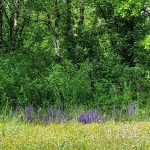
{"x": 16, "y": 135}
{"x": 74, "y": 129}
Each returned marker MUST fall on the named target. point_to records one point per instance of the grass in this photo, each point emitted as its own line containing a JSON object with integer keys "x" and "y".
{"x": 16, "y": 135}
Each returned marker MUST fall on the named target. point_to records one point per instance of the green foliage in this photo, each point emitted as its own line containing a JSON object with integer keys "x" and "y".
{"x": 70, "y": 84}
{"x": 128, "y": 8}
{"x": 92, "y": 53}
{"x": 20, "y": 81}
{"x": 146, "y": 42}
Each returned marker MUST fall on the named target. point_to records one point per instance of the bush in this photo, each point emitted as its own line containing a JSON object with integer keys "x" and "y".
{"x": 70, "y": 84}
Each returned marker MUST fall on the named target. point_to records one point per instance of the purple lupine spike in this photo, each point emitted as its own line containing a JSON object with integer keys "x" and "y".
{"x": 99, "y": 120}
{"x": 54, "y": 115}
{"x": 50, "y": 112}
{"x": 100, "y": 117}
{"x": 46, "y": 119}
{"x": 29, "y": 109}
{"x": 94, "y": 116}
{"x": 63, "y": 119}
{"x": 87, "y": 120}
{"x": 91, "y": 116}
{"x": 29, "y": 113}
{"x": 82, "y": 118}
{"x": 30, "y": 118}
{"x": 57, "y": 114}
{"x": 49, "y": 119}
{"x": 132, "y": 109}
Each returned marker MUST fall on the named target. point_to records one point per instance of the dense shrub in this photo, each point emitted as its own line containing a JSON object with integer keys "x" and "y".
{"x": 70, "y": 84}
{"x": 103, "y": 84}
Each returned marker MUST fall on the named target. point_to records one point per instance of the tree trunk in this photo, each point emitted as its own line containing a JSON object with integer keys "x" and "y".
{"x": 129, "y": 52}
{"x": 14, "y": 24}
{"x": 68, "y": 18}
{"x": 48, "y": 22}
{"x": 69, "y": 35}
{"x": 56, "y": 29}
{"x": 1, "y": 22}
{"x": 82, "y": 10}
{"x": 15, "y": 19}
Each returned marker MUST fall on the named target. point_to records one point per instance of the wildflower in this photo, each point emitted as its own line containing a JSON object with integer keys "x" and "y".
{"x": 56, "y": 114}
{"x": 29, "y": 113}
{"x": 132, "y": 109}
{"x": 50, "y": 112}
{"x": 91, "y": 116}
{"x": 83, "y": 118}
{"x": 63, "y": 119}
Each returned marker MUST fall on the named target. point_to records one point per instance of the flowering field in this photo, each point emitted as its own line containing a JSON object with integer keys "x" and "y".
{"x": 75, "y": 136}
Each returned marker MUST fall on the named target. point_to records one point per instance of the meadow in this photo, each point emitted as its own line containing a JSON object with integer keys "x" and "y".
{"x": 56, "y": 129}
{"x": 15, "y": 135}
{"x": 74, "y": 75}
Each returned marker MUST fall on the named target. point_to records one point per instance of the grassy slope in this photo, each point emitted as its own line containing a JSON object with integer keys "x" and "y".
{"x": 110, "y": 135}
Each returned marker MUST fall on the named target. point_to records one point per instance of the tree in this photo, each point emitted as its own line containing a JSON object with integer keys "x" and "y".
{"x": 1, "y": 22}
{"x": 56, "y": 28}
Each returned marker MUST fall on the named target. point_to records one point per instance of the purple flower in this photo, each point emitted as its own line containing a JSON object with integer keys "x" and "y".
{"x": 132, "y": 109}
{"x": 46, "y": 119}
{"x": 57, "y": 114}
{"x": 83, "y": 118}
{"x": 49, "y": 119}
{"x": 29, "y": 113}
{"x": 50, "y": 112}
{"x": 91, "y": 116}
{"x": 63, "y": 119}
{"x": 100, "y": 119}
{"x": 30, "y": 118}
{"x": 29, "y": 109}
